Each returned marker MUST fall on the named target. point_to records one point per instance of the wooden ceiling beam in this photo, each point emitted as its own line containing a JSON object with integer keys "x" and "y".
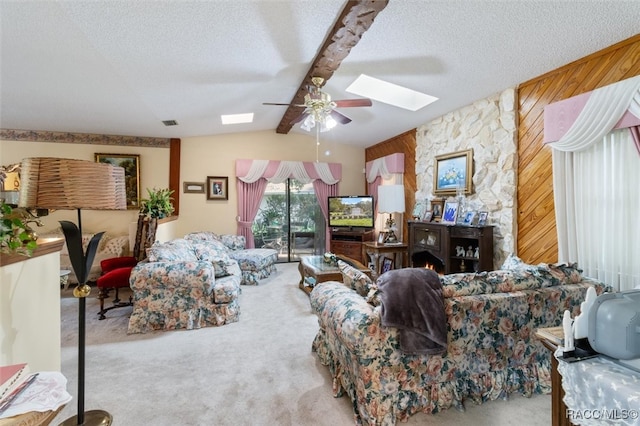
{"x": 356, "y": 18}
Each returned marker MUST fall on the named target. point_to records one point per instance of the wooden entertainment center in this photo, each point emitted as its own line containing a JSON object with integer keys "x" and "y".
{"x": 348, "y": 242}
{"x": 433, "y": 241}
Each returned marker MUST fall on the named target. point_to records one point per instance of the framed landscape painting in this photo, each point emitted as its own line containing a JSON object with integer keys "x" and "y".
{"x": 453, "y": 171}
{"x": 131, "y": 165}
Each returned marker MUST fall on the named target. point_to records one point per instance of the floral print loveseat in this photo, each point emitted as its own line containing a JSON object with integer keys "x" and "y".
{"x": 491, "y": 347}
{"x": 184, "y": 285}
{"x": 255, "y": 263}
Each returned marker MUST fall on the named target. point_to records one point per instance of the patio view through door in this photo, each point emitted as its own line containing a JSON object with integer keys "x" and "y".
{"x": 290, "y": 221}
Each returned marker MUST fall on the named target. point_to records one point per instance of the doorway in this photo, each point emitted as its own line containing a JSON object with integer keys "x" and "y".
{"x": 290, "y": 221}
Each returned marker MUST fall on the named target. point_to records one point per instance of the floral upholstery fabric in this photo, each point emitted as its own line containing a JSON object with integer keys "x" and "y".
{"x": 171, "y": 295}
{"x": 355, "y": 279}
{"x": 255, "y": 264}
{"x": 491, "y": 348}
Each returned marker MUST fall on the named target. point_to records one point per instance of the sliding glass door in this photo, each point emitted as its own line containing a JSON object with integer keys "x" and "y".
{"x": 290, "y": 221}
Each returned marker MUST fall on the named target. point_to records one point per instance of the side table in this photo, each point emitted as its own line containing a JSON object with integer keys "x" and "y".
{"x": 374, "y": 251}
{"x": 314, "y": 270}
{"x": 558, "y": 407}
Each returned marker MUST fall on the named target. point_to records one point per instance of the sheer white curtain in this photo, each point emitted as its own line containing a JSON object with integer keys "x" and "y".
{"x": 597, "y": 195}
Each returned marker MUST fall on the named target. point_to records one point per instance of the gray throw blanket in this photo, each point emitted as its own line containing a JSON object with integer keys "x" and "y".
{"x": 412, "y": 302}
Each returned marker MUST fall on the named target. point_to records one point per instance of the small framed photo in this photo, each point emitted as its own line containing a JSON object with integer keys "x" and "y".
{"x": 482, "y": 218}
{"x": 387, "y": 265}
{"x": 381, "y": 236}
{"x": 217, "y": 188}
{"x": 469, "y": 218}
{"x": 450, "y": 213}
{"x": 437, "y": 205}
{"x": 193, "y": 187}
{"x": 418, "y": 210}
{"x": 428, "y": 215}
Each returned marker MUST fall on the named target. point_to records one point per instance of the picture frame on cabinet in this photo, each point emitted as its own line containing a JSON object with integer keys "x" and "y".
{"x": 469, "y": 218}
{"x": 381, "y": 237}
{"x": 482, "y": 218}
{"x": 418, "y": 210}
{"x": 428, "y": 215}
{"x": 437, "y": 204}
{"x": 450, "y": 213}
{"x": 387, "y": 265}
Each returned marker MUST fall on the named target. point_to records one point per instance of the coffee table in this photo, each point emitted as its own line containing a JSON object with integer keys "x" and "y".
{"x": 314, "y": 270}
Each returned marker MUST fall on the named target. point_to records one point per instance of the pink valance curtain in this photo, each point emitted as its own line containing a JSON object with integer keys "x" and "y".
{"x": 575, "y": 123}
{"x": 253, "y": 175}
{"x": 383, "y": 168}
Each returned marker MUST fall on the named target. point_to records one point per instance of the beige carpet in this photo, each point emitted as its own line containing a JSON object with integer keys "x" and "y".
{"x": 258, "y": 371}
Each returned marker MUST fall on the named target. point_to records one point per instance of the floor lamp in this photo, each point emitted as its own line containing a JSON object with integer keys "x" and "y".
{"x": 66, "y": 184}
{"x": 391, "y": 200}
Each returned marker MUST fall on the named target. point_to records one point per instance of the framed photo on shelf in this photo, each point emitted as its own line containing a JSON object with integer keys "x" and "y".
{"x": 193, "y": 187}
{"x": 482, "y": 218}
{"x": 387, "y": 265}
{"x": 450, "y": 213}
{"x": 418, "y": 210}
{"x": 131, "y": 165}
{"x": 469, "y": 218}
{"x": 428, "y": 215}
{"x": 381, "y": 236}
{"x": 217, "y": 188}
{"x": 452, "y": 171}
{"x": 437, "y": 204}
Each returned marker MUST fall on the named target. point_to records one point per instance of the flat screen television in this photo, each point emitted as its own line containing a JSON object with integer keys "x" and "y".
{"x": 351, "y": 211}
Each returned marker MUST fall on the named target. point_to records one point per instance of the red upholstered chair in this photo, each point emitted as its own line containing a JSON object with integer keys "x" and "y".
{"x": 115, "y": 275}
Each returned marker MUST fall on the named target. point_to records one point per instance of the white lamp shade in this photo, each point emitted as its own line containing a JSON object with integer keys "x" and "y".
{"x": 391, "y": 199}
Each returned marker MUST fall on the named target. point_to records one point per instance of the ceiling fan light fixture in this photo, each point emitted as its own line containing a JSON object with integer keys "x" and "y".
{"x": 390, "y": 93}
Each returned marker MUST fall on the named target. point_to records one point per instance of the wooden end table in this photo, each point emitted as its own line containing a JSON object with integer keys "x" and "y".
{"x": 376, "y": 250}
{"x": 314, "y": 270}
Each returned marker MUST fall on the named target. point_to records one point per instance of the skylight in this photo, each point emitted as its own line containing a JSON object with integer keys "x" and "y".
{"x": 389, "y": 93}
{"x": 237, "y": 118}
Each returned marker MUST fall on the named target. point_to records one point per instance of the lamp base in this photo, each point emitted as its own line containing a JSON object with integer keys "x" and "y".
{"x": 91, "y": 418}
{"x": 391, "y": 238}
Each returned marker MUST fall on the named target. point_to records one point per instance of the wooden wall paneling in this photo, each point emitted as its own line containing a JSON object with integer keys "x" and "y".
{"x": 403, "y": 143}
{"x": 537, "y": 239}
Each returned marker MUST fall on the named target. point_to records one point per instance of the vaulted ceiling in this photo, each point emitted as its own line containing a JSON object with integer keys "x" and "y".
{"x": 121, "y": 68}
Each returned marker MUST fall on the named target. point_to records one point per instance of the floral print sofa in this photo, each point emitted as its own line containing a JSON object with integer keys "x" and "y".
{"x": 184, "y": 285}
{"x": 255, "y": 263}
{"x": 491, "y": 347}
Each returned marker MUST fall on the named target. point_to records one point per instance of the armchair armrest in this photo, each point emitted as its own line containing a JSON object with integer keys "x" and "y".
{"x": 194, "y": 276}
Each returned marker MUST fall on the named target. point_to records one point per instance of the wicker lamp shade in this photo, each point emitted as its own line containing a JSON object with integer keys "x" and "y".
{"x": 67, "y": 184}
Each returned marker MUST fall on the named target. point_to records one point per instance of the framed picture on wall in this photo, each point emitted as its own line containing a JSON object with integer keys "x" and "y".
{"x": 131, "y": 165}
{"x": 193, "y": 187}
{"x": 217, "y": 188}
{"x": 453, "y": 171}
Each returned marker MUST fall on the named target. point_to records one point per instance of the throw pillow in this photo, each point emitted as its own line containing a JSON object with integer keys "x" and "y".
{"x": 354, "y": 278}
{"x": 171, "y": 251}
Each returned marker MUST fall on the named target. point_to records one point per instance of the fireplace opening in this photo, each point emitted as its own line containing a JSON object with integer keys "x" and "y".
{"x": 424, "y": 259}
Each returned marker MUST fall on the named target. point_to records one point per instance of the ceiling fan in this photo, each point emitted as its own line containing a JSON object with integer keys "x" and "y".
{"x": 320, "y": 109}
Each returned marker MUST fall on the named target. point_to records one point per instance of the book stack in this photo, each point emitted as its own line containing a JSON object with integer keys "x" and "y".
{"x": 13, "y": 380}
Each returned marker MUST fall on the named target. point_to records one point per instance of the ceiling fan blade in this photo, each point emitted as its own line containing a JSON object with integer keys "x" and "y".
{"x": 340, "y": 118}
{"x": 271, "y": 103}
{"x": 345, "y": 103}
{"x": 300, "y": 117}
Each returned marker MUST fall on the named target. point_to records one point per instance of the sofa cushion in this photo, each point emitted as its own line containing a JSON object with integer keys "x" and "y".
{"x": 172, "y": 251}
{"x": 355, "y": 279}
{"x": 233, "y": 242}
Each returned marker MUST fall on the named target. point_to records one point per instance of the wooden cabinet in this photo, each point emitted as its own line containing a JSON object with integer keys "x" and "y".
{"x": 439, "y": 245}
{"x": 349, "y": 242}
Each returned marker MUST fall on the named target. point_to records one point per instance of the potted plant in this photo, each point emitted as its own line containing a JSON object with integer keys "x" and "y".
{"x": 16, "y": 237}
{"x": 158, "y": 205}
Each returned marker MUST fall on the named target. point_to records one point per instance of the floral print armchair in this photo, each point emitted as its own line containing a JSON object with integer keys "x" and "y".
{"x": 492, "y": 351}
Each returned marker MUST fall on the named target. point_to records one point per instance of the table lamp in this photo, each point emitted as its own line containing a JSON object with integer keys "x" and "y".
{"x": 67, "y": 184}
{"x": 391, "y": 200}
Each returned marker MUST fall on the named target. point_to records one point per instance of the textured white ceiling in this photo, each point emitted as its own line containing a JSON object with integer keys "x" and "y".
{"x": 116, "y": 67}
